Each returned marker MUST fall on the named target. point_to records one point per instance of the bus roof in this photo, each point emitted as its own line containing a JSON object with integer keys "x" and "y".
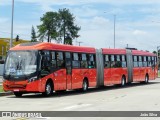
{"x": 113, "y": 51}
{"x": 138, "y": 52}
{"x": 123, "y": 51}
{"x": 52, "y": 46}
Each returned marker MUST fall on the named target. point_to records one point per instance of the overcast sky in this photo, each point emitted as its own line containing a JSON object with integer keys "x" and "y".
{"x": 137, "y": 21}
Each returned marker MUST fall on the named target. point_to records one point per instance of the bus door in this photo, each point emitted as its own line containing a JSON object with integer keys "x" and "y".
{"x": 141, "y": 69}
{"x": 107, "y": 70}
{"x": 68, "y": 63}
{"x": 153, "y": 68}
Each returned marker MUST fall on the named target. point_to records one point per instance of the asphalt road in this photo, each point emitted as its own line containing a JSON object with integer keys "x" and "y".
{"x": 135, "y": 97}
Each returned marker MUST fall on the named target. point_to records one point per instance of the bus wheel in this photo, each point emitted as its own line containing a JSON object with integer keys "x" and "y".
{"x": 18, "y": 94}
{"x": 146, "y": 79}
{"x": 48, "y": 89}
{"x": 85, "y": 85}
{"x": 123, "y": 82}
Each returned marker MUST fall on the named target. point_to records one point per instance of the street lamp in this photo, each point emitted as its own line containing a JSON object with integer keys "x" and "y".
{"x": 80, "y": 43}
{"x": 11, "y": 40}
{"x": 114, "y": 30}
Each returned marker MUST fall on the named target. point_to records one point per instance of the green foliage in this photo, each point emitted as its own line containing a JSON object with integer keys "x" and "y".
{"x": 49, "y": 26}
{"x": 58, "y": 25}
{"x": 17, "y": 38}
{"x": 33, "y": 35}
{"x": 154, "y": 52}
{"x": 4, "y": 44}
{"x": 1, "y": 89}
{"x": 67, "y": 26}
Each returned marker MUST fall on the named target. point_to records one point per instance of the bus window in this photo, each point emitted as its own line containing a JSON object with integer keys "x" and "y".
{"x": 68, "y": 55}
{"x": 45, "y": 59}
{"x": 144, "y": 59}
{"x": 68, "y": 61}
{"x": 149, "y": 62}
{"x": 123, "y": 59}
{"x": 107, "y": 61}
{"x": 84, "y": 61}
{"x": 53, "y": 60}
{"x": 117, "y": 61}
{"x": 113, "y": 62}
{"x": 75, "y": 61}
{"x": 60, "y": 60}
{"x": 118, "y": 58}
{"x": 135, "y": 59}
{"x": 153, "y": 62}
{"x": 45, "y": 63}
{"x": 112, "y": 58}
{"x": 140, "y": 61}
{"x": 91, "y": 61}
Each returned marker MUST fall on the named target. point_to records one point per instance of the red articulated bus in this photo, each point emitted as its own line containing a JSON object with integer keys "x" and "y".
{"x": 46, "y": 67}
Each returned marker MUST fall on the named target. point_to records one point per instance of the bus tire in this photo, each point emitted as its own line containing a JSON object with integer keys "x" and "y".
{"x": 146, "y": 79}
{"x": 85, "y": 85}
{"x": 48, "y": 89}
{"x": 18, "y": 94}
{"x": 123, "y": 81}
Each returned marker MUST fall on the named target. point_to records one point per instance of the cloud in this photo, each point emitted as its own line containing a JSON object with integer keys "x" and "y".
{"x": 139, "y": 32}
{"x": 5, "y": 2}
{"x": 3, "y": 20}
{"x": 76, "y": 2}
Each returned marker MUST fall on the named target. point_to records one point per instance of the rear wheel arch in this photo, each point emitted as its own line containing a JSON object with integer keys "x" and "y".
{"x": 147, "y": 75}
{"x": 85, "y": 84}
{"x": 85, "y": 78}
{"x": 123, "y": 80}
{"x": 146, "y": 78}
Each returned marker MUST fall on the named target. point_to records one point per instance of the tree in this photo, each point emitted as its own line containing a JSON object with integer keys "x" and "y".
{"x": 155, "y": 52}
{"x": 68, "y": 40}
{"x": 33, "y": 35}
{"x": 17, "y": 38}
{"x": 58, "y": 26}
{"x": 67, "y": 25}
{"x": 49, "y": 26}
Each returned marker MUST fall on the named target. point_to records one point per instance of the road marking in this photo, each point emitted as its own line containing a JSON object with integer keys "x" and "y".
{"x": 77, "y": 106}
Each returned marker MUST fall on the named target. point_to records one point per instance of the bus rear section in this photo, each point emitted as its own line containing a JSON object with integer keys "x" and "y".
{"x": 121, "y": 66}
{"x": 144, "y": 66}
{"x": 46, "y": 67}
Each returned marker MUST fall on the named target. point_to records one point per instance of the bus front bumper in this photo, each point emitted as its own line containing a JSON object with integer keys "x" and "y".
{"x": 22, "y": 86}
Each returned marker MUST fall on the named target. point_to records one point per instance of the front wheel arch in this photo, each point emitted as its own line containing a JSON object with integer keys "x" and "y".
{"x": 49, "y": 87}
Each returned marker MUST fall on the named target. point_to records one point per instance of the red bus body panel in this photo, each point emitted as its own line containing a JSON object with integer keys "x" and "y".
{"x": 114, "y": 75}
{"x": 61, "y": 80}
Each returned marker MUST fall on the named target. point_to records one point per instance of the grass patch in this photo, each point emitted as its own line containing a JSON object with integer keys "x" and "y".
{"x": 158, "y": 74}
{"x": 1, "y": 89}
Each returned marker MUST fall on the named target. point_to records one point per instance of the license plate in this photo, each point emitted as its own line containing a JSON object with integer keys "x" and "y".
{"x": 16, "y": 90}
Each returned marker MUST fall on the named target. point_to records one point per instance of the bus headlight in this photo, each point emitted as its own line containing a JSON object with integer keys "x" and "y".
{"x": 32, "y": 79}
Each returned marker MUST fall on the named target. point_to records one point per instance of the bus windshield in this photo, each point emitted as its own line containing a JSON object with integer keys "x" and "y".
{"x": 21, "y": 63}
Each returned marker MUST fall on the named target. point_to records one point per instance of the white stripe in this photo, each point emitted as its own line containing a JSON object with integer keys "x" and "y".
{"x": 77, "y": 106}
